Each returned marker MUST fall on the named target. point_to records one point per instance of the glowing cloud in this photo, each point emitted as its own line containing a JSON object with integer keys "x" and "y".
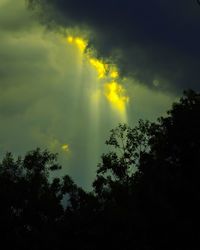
{"x": 70, "y": 39}
{"x": 65, "y": 148}
{"x": 100, "y": 67}
{"x": 78, "y": 41}
{"x": 115, "y": 93}
{"x": 55, "y": 145}
{"x": 114, "y": 73}
{"x": 82, "y": 44}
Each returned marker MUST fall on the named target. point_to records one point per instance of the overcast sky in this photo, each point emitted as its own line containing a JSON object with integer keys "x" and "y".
{"x": 51, "y": 94}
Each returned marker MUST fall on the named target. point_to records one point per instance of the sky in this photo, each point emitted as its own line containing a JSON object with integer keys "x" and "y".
{"x": 72, "y": 70}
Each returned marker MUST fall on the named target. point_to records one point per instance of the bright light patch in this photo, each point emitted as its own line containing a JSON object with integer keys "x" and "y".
{"x": 70, "y": 39}
{"x": 100, "y": 67}
{"x": 82, "y": 44}
{"x": 108, "y": 74}
{"x": 115, "y": 93}
{"x": 55, "y": 145}
{"x": 65, "y": 148}
{"x": 114, "y": 74}
{"x": 78, "y": 41}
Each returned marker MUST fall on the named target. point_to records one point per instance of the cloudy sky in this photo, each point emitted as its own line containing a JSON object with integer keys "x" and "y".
{"x": 72, "y": 70}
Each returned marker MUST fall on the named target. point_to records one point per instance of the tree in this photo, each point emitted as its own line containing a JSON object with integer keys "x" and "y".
{"x": 119, "y": 165}
{"x": 146, "y": 193}
{"x": 30, "y": 203}
{"x": 150, "y": 180}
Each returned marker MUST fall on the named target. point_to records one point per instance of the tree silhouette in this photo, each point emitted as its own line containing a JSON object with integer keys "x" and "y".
{"x": 159, "y": 201}
{"x": 30, "y": 203}
{"x": 146, "y": 194}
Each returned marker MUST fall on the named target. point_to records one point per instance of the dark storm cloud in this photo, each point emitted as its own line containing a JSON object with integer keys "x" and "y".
{"x": 48, "y": 91}
{"x": 154, "y": 41}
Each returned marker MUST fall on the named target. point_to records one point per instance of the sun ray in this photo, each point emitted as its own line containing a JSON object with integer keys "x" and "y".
{"x": 109, "y": 76}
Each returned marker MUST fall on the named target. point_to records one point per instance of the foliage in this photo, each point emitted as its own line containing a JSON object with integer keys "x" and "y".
{"x": 146, "y": 194}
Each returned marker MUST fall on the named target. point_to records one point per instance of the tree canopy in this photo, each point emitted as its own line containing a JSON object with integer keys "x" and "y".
{"x": 145, "y": 196}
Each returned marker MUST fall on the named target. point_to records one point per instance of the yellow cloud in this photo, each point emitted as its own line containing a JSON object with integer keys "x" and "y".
{"x": 70, "y": 39}
{"x": 78, "y": 41}
{"x": 100, "y": 67}
{"x": 115, "y": 94}
{"x": 114, "y": 73}
{"x": 108, "y": 74}
{"x": 65, "y": 148}
{"x": 81, "y": 43}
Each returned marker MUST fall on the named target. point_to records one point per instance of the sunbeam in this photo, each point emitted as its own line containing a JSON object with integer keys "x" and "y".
{"x": 107, "y": 76}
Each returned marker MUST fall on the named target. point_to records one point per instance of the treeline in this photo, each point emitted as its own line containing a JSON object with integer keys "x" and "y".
{"x": 146, "y": 195}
